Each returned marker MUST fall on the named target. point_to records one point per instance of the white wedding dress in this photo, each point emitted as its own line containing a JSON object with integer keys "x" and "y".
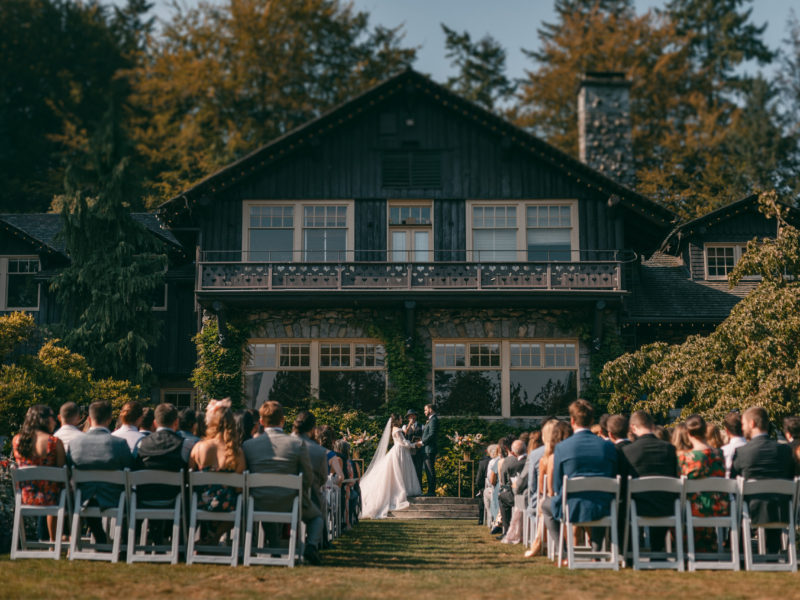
{"x": 390, "y": 478}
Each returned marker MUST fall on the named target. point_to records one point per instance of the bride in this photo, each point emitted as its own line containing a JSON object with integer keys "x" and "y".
{"x": 390, "y": 478}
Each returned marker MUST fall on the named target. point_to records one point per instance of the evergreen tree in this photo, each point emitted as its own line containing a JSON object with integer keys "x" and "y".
{"x": 57, "y": 60}
{"x": 481, "y": 68}
{"x": 224, "y": 79}
{"x": 115, "y": 263}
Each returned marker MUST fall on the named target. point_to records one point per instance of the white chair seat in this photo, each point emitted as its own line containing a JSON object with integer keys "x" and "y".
{"x": 20, "y": 546}
{"x": 144, "y": 552}
{"x": 655, "y": 560}
{"x": 786, "y": 560}
{"x": 81, "y": 549}
{"x": 588, "y": 559}
{"x": 717, "y": 560}
{"x": 259, "y": 554}
{"x": 214, "y": 554}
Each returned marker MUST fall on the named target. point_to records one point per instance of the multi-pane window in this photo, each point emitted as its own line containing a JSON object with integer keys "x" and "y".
{"x": 720, "y": 260}
{"x": 324, "y": 233}
{"x": 532, "y": 231}
{"x": 271, "y": 232}
{"x": 549, "y": 232}
{"x": 410, "y": 215}
{"x": 536, "y": 377}
{"x": 494, "y": 233}
{"x": 178, "y": 398}
{"x": 21, "y": 291}
{"x": 351, "y": 374}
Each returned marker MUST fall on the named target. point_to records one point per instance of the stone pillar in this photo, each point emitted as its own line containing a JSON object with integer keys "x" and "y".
{"x": 604, "y": 125}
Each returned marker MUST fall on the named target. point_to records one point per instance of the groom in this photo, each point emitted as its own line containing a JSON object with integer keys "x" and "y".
{"x": 430, "y": 447}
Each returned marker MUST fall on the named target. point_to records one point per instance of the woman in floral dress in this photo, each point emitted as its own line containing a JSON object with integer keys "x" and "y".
{"x": 35, "y": 446}
{"x": 698, "y": 460}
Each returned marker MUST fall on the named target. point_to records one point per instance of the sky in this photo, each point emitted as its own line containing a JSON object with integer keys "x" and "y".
{"x": 511, "y": 22}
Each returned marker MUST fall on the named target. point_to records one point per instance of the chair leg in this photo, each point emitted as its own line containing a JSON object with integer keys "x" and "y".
{"x": 679, "y": 541}
{"x": 560, "y": 543}
{"x": 60, "y": 526}
{"x": 18, "y": 525}
{"x": 132, "y": 529}
{"x": 75, "y": 534}
{"x": 191, "y": 534}
{"x": 690, "y": 538}
{"x": 248, "y": 534}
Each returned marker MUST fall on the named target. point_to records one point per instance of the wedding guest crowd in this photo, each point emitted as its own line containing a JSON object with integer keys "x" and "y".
{"x": 636, "y": 446}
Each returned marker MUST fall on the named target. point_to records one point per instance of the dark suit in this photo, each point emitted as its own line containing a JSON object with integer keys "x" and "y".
{"x": 480, "y": 483}
{"x": 763, "y": 458}
{"x": 582, "y": 455}
{"x": 413, "y": 434}
{"x": 98, "y": 450}
{"x": 430, "y": 448}
{"x": 649, "y": 456}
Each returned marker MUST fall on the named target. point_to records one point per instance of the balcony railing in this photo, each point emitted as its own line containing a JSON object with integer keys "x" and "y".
{"x": 237, "y": 275}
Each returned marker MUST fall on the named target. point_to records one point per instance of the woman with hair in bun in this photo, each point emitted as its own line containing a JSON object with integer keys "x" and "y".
{"x": 698, "y": 461}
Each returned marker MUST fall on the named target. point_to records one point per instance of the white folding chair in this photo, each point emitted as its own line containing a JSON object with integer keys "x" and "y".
{"x": 529, "y": 518}
{"x": 333, "y": 497}
{"x": 20, "y": 546}
{"x": 713, "y": 560}
{"x": 782, "y": 561}
{"x": 145, "y": 511}
{"x": 215, "y": 554}
{"x": 260, "y": 554}
{"x": 655, "y": 560}
{"x": 601, "y": 559}
{"x": 90, "y": 549}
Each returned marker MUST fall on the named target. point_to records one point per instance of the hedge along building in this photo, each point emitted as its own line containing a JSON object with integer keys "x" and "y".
{"x": 502, "y": 261}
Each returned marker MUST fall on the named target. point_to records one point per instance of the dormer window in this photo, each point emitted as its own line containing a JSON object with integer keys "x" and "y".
{"x": 721, "y": 259}
{"x": 410, "y": 232}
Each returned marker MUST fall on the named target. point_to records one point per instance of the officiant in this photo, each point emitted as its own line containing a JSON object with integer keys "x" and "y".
{"x": 413, "y": 432}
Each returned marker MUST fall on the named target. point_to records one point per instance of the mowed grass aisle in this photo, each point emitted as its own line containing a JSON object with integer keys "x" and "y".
{"x": 409, "y": 560}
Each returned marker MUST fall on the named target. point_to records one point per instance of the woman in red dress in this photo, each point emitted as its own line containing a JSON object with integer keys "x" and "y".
{"x": 34, "y": 446}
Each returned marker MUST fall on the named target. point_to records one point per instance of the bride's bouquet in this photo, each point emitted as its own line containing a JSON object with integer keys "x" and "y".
{"x": 466, "y": 443}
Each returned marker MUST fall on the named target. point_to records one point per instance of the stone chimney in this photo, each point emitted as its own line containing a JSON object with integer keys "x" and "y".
{"x": 604, "y": 125}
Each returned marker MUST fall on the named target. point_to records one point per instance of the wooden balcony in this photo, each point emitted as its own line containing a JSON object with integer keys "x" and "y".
{"x": 379, "y": 277}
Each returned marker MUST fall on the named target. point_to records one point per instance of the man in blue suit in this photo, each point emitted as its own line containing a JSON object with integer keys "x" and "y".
{"x": 581, "y": 455}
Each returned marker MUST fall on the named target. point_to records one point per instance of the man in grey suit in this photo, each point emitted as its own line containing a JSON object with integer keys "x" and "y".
{"x": 303, "y": 427}
{"x": 276, "y": 452}
{"x": 99, "y": 450}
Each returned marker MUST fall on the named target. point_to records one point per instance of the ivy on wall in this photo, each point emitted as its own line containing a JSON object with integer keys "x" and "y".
{"x": 220, "y": 368}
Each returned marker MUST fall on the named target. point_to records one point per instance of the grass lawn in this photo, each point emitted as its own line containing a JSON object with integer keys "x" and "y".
{"x": 408, "y": 560}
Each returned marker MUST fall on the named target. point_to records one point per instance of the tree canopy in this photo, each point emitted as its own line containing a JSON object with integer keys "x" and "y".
{"x": 752, "y": 358}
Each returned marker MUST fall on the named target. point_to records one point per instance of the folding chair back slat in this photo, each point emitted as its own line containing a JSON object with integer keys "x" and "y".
{"x": 212, "y": 554}
{"x": 20, "y": 547}
{"x": 78, "y": 549}
{"x": 595, "y": 560}
{"x": 781, "y": 490}
{"x": 254, "y": 553}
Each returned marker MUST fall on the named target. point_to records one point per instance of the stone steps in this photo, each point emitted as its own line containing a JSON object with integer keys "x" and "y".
{"x": 437, "y": 508}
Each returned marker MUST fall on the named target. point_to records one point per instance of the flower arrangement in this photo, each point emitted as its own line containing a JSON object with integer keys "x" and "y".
{"x": 359, "y": 442}
{"x": 466, "y": 443}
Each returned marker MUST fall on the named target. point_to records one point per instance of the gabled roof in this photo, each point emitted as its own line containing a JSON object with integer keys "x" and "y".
{"x": 699, "y": 224}
{"x": 412, "y": 81}
{"x": 43, "y": 229}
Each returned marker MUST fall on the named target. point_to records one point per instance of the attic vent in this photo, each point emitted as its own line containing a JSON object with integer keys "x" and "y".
{"x": 412, "y": 169}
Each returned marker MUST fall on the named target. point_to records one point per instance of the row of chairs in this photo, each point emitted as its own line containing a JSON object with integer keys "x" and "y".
{"x": 680, "y": 522}
{"x": 131, "y": 508}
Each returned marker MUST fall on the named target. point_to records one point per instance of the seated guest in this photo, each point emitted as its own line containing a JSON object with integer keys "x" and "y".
{"x": 512, "y": 466}
{"x": 733, "y": 427}
{"x": 304, "y": 425}
{"x": 763, "y": 458}
{"x": 791, "y": 431}
{"x": 220, "y": 451}
{"x": 617, "y": 426}
{"x": 327, "y": 437}
{"x": 649, "y": 456}
{"x": 276, "y": 452}
{"x": 713, "y": 436}
{"x": 35, "y": 446}
{"x": 148, "y": 425}
{"x": 163, "y": 450}
{"x": 98, "y": 450}
{"x": 602, "y": 423}
{"x": 553, "y": 432}
{"x": 246, "y": 424}
{"x": 581, "y": 455}
{"x": 130, "y": 418}
{"x": 70, "y": 417}
{"x": 187, "y": 425}
{"x": 696, "y": 462}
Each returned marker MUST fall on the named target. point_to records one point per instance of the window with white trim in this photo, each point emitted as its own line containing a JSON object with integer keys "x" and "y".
{"x": 533, "y": 231}
{"x": 20, "y": 291}
{"x": 506, "y": 378}
{"x": 410, "y": 231}
{"x": 307, "y": 231}
{"x": 179, "y": 397}
{"x": 721, "y": 259}
{"x": 345, "y": 372}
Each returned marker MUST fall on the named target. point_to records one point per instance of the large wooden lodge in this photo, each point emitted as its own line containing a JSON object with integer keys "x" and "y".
{"x": 495, "y": 251}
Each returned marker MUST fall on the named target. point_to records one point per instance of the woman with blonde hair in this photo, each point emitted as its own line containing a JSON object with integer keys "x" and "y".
{"x": 220, "y": 450}
{"x": 553, "y": 432}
